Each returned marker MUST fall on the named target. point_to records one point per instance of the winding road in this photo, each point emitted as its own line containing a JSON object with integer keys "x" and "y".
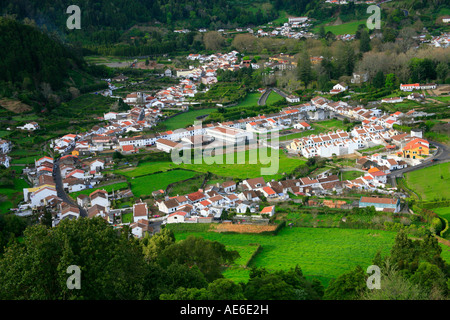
{"x": 60, "y": 190}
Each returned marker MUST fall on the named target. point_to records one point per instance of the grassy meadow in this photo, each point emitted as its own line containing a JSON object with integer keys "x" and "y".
{"x": 186, "y": 119}
{"x": 11, "y": 196}
{"x": 323, "y": 253}
{"x": 432, "y": 182}
{"x": 234, "y": 170}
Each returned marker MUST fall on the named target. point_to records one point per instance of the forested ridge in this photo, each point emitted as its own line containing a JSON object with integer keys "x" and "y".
{"x": 32, "y": 57}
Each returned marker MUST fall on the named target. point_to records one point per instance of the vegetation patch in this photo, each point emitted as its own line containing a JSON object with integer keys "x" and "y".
{"x": 432, "y": 182}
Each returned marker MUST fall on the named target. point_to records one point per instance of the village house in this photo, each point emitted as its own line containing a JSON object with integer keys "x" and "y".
{"x": 140, "y": 211}
{"x": 416, "y": 149}
{"x": 380, "y": 204}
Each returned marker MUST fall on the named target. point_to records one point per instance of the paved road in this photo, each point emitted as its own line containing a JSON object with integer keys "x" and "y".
{"x": 263, "y": 98}
{"x": 60, "y": 190}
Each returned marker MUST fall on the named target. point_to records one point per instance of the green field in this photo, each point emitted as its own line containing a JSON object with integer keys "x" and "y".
{"x": 145, "y": 185}
{"x": 108, "y": 188}
{"x": 11, "y": 196}
{"x": 127, "y": 217}
{"x": 350, "y": 175}
{"x": 442, "y": 99}
{"x": 273, "y": 97}
{"x": 318, "y": 127}
{"x": 186, "y": 119}
{"x": 345, "y": 28}
{"x": 241, "y": 171}
{"x": 321, "y": 253}
{"x": 443, "y": 212}
{"x": 432, "y": 182}
{"x": 250, "y": 100}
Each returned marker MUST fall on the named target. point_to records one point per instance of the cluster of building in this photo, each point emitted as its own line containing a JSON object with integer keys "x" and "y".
{"x": 75, "y": 176}
{"x": 43, "y": 193}
{"x": 30, "y": 126}
{"x": 443, "y": 40}
{"x": 208, "y": 205}
{"x": 295, "y": 28}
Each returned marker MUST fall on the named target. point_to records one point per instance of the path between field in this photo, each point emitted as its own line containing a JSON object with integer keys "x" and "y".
{"x": 443, "y": 241}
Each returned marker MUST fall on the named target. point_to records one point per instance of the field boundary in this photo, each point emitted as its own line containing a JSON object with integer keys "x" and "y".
{"x": 245, "y": 229}
{"x": 257, "y": 251}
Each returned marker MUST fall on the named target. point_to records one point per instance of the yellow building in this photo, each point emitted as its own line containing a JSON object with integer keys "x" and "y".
{"x": 416, "y": 149}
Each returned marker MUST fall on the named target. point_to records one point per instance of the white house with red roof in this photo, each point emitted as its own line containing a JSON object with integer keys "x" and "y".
{"x": 140, "y": 211}
{"x": 268, "y": 210}
{"x": 302, "y": 126}
{"x": 79, "y": 174}
{"x": 177, "y": 217}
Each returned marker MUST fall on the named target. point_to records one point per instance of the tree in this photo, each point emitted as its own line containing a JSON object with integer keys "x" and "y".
{"x": 213, "y": 40}
{"x": 390, "y": 81}
{"x": 442, "y": 70}
{"x": 244, "y": 43}
{"x": 46, "y": 218}
{"x": 322, "y": 32}
{"x": 281, "y": 285}
{"x": 395, "y": 287}
{"x": 347, "y": 286}
{"x": 364, "y": 41}
{"x": 225, "y": 289}
{"x": 428, "y": 277}
{"x": 152, "y": 246}
{"x": 186, "y": 294}
{"x": 345, "y": 59}
{"x": 304, "y": 68}
{"x": 208, "y": 256}
{"x": 269, "y": 287}
{"x": 378, "y": 81}
{"x": 101, "y": 253}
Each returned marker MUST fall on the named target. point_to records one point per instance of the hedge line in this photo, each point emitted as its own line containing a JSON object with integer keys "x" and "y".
{"x": 444, "y": 233}
{"x": 258, "y": 250}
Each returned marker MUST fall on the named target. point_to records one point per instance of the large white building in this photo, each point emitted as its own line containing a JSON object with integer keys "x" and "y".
{"x": 229, "y": 135}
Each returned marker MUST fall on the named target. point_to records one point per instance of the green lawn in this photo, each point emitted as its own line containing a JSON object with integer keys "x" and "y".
{"x": 350, "y": 175}
{"x": 431, "y": 182}
{"x": 186, "y": 119}
{"x": 11, "y": 196}
{"x": 273, "y": 97}
{"x": 442, "y": 99}
{"x": 184, "y": 187}
{"x": 250, "y": 100}
{"x": 443, "y": 212}
{"x": 321, "y": 253}
{"x": 145, "y": 185}
{"x": 4, "y": 133}
{"x": 108, "y": 188}
{"x": 345, "y": 28}
{"x": 127, "y": 217}
{"x": 241, "y": 171}
{"x": 318, "y": 127}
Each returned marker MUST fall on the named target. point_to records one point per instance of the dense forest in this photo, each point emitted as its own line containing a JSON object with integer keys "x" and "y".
{"x": 40, "y": 70}
{"x": 102, "y": 20}
{"x": 32, "y": 57}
